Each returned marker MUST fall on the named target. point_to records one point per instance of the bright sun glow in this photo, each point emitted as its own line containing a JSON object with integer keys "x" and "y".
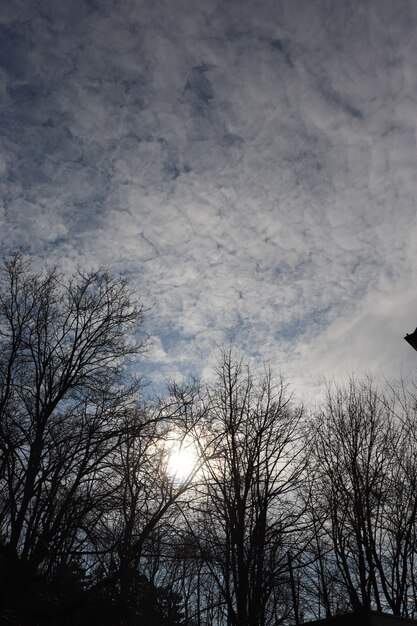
{"x": 182, "y": 460}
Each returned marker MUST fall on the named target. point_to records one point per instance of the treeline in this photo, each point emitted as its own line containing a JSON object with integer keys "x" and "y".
{"x": 284, "y": 515}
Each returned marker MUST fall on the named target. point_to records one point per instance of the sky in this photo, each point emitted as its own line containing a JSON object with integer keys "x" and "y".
{"x": 248, "y": 165}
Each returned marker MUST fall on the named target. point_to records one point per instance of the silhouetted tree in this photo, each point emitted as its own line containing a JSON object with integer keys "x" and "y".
{"x": 146, "y": 499}
{"x": 248, "y": 504}
{"x": 64, "y": 347}
{"x": 364, "y": 502}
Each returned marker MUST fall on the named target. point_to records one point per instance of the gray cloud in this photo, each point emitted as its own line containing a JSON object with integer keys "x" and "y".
{"x": 249, "y": 167}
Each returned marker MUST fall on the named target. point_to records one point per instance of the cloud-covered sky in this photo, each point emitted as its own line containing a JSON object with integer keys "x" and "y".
{"x": 250, "y": 166}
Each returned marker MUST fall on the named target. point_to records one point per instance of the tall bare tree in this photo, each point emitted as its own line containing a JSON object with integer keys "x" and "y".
{"x": 364, "y": 504}
{"x": 65, "y": 343}
{"x": 248, "y": 506}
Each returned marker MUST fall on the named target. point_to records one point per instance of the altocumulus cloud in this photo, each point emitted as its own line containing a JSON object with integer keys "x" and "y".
{"x": 249, "y": 166}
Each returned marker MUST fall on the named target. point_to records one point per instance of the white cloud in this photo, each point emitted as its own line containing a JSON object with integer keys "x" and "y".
{"x": 251, "y": 169}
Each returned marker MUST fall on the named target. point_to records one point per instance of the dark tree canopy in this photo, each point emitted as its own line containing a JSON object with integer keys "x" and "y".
{"x": 286, "y": 514}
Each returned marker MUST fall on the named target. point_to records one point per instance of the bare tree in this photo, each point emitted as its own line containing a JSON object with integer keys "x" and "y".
{"x": 145, "y": 504}
{"x": 364, "y": 497}
{"x": 396, "y": 555}
{"x": 248, "y": 506}
{"x": 64, "y": 388}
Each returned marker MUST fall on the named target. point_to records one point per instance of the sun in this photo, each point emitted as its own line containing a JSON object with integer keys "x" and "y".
{"x": 182, "y": 460}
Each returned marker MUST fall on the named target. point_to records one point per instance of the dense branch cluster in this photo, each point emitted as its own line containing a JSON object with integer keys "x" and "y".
{"x": 287, "y": 514}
